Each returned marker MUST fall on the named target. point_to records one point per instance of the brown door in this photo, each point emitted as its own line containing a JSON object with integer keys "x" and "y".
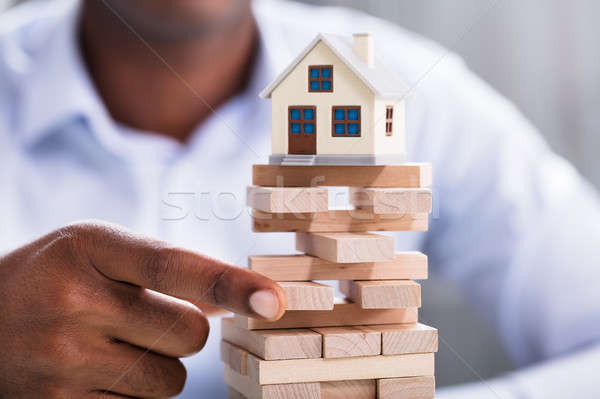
{"x": 302, "y": 129}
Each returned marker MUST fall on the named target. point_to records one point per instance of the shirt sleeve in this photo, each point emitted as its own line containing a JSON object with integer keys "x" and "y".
{"x": 517, "y": 227}
{"x": 567, "y": 377}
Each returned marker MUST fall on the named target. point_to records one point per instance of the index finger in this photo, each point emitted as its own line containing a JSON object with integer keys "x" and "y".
{"x": 124, "y": 256}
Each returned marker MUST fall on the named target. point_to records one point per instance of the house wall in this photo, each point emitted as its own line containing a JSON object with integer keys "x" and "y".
{"x": 396, "y": 143}
{"x": 347, "y": 90}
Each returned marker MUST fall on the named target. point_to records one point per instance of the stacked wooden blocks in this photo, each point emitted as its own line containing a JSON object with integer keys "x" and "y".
{"x": 368, "y": 345}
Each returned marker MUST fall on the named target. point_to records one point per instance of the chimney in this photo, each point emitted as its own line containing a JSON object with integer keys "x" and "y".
{"x": 363, "y": 47}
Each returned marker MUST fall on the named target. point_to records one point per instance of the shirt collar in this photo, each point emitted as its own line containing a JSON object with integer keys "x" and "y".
{"x": 58, "y": 88}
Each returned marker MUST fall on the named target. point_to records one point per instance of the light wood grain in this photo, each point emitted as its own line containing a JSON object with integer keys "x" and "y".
{"x": 406, "y": 175}
{"x": 353, "y": 389}
{"x": 346, "y": 247}
{"x": 407, "y": 338}
{"x": 234, "y": 356}
{"x": 274, "y": 344}
{"x": 354, "y": 368}
{"x": 287, "y": 199}
{"x": 353, "y": 220}
{"x": 343, "y": 314}
{"x": 406, "y": 265}
{"x": 307, "y": 295}
{"x": 383, "y": 294}
{"x": 349, "y": 341}
{"x": 406, "y": 388}
{"x": 392, "y": 200}
{"x": 252, "y": 390}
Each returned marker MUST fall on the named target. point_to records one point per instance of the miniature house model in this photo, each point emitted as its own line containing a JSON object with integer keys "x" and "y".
{"x": 334, "y": 104}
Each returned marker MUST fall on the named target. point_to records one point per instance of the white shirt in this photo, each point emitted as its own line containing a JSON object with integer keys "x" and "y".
{"x": 515, "y": 225}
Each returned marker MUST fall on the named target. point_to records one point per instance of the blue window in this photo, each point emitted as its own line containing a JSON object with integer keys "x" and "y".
{"x": 309, "y": 114}
{"x": 302, "y": 119}
{"x": 346, "y": 121}
{"x": 320, "y": 78}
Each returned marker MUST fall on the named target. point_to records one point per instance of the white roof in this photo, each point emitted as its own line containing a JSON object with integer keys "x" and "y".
{"x": 381, "y": 82}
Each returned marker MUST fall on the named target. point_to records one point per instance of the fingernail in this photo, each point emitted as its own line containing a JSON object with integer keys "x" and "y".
{"x": 265, "y": 304}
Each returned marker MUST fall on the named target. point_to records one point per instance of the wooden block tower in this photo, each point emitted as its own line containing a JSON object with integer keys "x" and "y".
{"x": 370, "y": 343}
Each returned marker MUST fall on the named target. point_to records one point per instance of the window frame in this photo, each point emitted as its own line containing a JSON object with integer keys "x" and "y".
{"x": 389, "y": 120}
{"x": 302, "y": 121}
{"x": 346, "y": 121}
{"x": 320, "y": 79}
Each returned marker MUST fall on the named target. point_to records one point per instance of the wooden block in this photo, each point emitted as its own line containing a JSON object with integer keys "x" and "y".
{"x": 343, "y": 314}
{"x": 392, "y": 200}
{"x": 338, "y": 221}
{"x": 274, "y": 344}
{"x": 407, "y": 338}
{"x": 383, "y": 294}
{"x": 346, "y": 247}
{"x": 353, "y": 389}
{"x": 234, "y": 356}
{"x": 306, "y": 295}
{"x": 349, "y": 341}
{"x": 406, "y": 388}
{"x": 406, "y": 265}
{"x": 252, "y": 390}
{"x": 410, "y": 175}
{"x": 287, "y": 199}
{"x": 354, "y": 368}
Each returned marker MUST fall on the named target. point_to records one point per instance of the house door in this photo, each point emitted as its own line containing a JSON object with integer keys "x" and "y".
{"x": 302, "y": 129}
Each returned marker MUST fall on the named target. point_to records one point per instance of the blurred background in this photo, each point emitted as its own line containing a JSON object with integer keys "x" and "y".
{"x": 544, "y": 56}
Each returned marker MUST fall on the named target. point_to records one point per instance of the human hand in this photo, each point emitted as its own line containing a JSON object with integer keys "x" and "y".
{"x": 92, "y": 310}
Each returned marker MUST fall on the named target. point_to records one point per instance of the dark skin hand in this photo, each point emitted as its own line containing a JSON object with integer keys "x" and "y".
{"x": 92, "y": 310}
{"x": 89, "y": 311}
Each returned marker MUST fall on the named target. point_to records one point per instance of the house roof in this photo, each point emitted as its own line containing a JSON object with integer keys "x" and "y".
{"x": 381, "y": 82}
